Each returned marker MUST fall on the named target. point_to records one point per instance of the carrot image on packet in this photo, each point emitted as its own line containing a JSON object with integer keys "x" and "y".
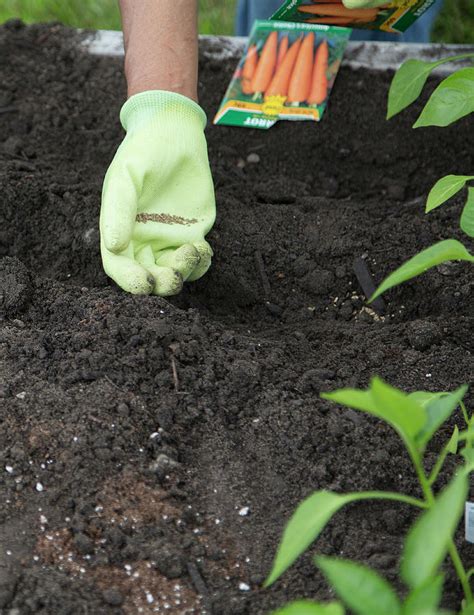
{"x": 395, "y": 16}
{"x": 286, "y": 73}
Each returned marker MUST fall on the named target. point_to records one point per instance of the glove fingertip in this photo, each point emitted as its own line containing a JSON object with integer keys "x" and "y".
{"x": 114, "y": 241}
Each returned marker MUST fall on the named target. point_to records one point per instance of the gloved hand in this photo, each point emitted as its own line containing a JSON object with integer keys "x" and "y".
{"x": 364, "y": 4}
{"x": 158, "y": 197}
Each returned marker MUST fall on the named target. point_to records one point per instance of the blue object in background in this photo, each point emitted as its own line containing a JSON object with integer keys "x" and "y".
{"x": 250, "y": 10}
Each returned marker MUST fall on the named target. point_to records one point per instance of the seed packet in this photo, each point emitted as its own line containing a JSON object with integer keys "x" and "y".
{"x": 395, "y": 16}
{"x": 287, "y": 73}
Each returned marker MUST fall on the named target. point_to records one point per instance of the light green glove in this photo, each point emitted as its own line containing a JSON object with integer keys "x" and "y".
{"x": 158, "y": 197}
{"x": 364, "y": 4}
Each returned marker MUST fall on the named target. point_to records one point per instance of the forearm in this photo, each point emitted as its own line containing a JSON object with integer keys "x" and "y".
{"x": 161, "y": 45}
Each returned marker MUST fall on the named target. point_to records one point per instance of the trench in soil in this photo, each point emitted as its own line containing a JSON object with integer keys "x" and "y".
{"x": 156, "y": 449}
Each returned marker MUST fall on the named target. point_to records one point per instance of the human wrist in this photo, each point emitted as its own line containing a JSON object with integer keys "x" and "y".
{"x": 152, "y": 106}
{"x": 154, "y": 82}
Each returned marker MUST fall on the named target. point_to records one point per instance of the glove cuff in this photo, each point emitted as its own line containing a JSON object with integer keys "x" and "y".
{"x": 153, "y": 105}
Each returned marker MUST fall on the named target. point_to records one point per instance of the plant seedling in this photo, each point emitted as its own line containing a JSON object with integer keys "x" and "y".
{"x": 451, "y": 100}
{"x": 416, "y": 417}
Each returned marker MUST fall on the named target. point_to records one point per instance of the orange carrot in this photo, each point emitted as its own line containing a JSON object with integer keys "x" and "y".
{"x": 336, "y": 10}
{"x": 300, "y": 82}
{"x": 282, "y": 51}
{"x": 333, "y": 21}
{"x": 249, "y": 70}
{"x": 319, "y": 85}
{"x": 281, "y": 80}
{"x": 266, "y": 65}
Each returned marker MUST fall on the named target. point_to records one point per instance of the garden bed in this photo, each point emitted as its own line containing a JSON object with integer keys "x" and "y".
{"x": 152, "y": 451}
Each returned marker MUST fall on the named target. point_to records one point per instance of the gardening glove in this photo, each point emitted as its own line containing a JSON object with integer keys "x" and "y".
{"x": 158, "y": 197}
{"x": 364, "y": 4}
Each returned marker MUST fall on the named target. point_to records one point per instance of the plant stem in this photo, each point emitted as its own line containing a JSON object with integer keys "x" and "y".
{"x": 430, "y": 500}
{"x": 389, "y": 495}
{"x": 464, "y": 413}
{"x": 438, "y": 465}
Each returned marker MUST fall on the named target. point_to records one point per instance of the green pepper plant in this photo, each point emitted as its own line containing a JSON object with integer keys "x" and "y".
{"x": 451, "y": 100}
{"x": 416, "y": 417}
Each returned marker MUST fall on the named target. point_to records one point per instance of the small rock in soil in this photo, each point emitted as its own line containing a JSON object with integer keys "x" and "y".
{"x": 319, "y": 281}
{"x": 168, "y": 562}
{"x": 315, "y": 380}
{"x": 83, "y": 544}
{"x": 13, "y": 146}
{"x": 422, "y": 335}
{"x": 253, "y": 158}
{"x": 15, "y": 286}
{"x": 113, "y": 597}
{"x": 162, "y": 465}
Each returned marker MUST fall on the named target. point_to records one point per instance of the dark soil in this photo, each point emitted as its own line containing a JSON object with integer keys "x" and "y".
{"x": 153, "y": 450}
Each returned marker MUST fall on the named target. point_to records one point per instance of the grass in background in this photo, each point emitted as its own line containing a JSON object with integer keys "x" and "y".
{"x": 216, "y": 16}
{"x": 455, "y": 24}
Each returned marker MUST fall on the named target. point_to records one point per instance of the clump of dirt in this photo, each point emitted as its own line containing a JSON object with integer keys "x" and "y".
{"x": 152, "y": 451}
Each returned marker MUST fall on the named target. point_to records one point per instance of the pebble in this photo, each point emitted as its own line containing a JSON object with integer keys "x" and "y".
{"x": 274, "y": 309}
{"x": 162, "y": 465}
{"x": 253, "y": 158}
{"x": 83, "y": 544}
{"x": 123, "y": 410}
{"x": 422, "y": 335}
{"x": 113, "y": 597}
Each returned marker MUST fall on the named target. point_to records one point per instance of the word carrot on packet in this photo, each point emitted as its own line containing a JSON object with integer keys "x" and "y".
{"x": 287, "y": 73}
{"x": 394, "y": 16}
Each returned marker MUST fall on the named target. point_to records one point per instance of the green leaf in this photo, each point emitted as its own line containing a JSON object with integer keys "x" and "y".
{"x": 452, "y": 100}
{"x": 426, "y": 597}
{"x": 452, "y": 446}
{"x": 360, "y": 588}
{"x": 444, "y": 189}
{"x": 467, "y": 216}
{"x": 425, "y": 397}
{"x": 438, "y": 409}
{"x": 383, "y": 401}
{"x": 447, "y": 250}
{"x": 409, "y": 80}
{"x": 427, "y": 542}
{"x": 311, "y": 517}
{"x": 304, "y": 527}
{"x": 408, "y": 84}
{"x": 468, "y": 454}
{"x": 306, "y": 607}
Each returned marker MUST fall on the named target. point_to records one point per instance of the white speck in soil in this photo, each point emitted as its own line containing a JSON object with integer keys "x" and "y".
{"x": 8, "y": 552}
{"x": 21, "y": 395}
{"x": 243, "y": 512}
{"x": 154, "y": 435}
{"x": 9, "y": 469}
{"x": 39, "y": 487}
{"x": 244, "y": 587}
{"x": 428, "y": 375}
{"x": 149, "y": 598}
{"x": 43, "y": 520}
